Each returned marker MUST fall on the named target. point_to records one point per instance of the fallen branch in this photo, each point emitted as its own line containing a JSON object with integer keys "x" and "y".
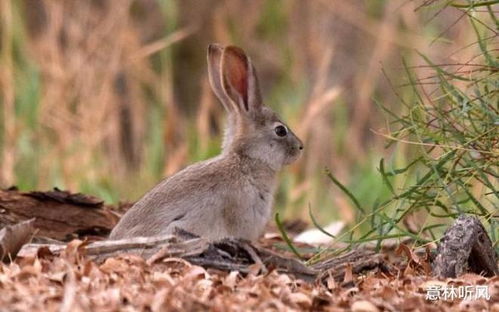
{"x": 356, "y": 261}
{"x": 225, "y": 255}
{"x": 142, "y": 246}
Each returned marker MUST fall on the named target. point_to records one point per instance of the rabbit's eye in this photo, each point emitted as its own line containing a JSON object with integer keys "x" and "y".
{"x": 281, "y": 131}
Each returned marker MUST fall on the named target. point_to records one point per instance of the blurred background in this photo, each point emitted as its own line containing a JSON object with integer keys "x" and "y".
{"x": 108, "y": 97}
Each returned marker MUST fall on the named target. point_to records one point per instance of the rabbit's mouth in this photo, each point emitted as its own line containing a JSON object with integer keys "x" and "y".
{"x": 294, "y": 154}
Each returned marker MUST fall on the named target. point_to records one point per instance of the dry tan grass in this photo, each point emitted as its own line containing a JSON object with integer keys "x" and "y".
{"x": 7, "y": 95}
{"x": 105, "y": 66}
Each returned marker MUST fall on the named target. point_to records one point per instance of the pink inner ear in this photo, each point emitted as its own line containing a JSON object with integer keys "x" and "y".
{"x": 236, "y": 70}
{"x": 239, "y": 80}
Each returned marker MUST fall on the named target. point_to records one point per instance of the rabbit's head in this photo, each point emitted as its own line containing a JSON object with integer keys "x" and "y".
{"x": 253, "y": 129}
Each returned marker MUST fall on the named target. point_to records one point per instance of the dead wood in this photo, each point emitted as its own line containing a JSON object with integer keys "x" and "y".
{"x": 287, "y": 265}
{"x": 58, "y": 214}
{"x": 465, "y": 246}
{"x": 358, "y": 261}
{"x": 240, "y": 255}
{"x": 146, "y": 247}
{"x": 225, "y": 255}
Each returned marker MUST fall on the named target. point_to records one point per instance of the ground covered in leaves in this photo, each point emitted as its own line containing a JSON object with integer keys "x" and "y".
{"x": 73, "y": 282}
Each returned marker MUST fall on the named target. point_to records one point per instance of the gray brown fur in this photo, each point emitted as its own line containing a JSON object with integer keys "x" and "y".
{"x": 230, "y": 195}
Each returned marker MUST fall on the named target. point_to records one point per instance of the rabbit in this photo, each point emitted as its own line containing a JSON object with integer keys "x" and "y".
{"x": 230, "y": 195}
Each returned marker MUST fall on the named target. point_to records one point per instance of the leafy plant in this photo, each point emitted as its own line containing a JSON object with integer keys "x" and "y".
{"x": 449, "y": 130}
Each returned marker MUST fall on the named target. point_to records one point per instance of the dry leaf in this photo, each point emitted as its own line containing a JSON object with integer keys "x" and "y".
{"x": 13, "y": 237}
{"x": 411, "y": 256}
{"x": 348, "y": 278}
{"x": 364, "y": 306}
{"x": 231, "y": 279}
{"x": 300, "y": 299}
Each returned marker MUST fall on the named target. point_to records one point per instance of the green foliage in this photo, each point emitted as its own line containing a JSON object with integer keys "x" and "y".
{"x": 451, "y": 136}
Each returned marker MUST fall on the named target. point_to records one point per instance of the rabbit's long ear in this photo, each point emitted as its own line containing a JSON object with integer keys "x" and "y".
{"x": 214, "y": 56}
{"x": 240, "y": 81}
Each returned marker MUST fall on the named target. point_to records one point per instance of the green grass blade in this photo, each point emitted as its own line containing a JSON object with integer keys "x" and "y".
{"x": 345, "y": 190}
{"x": 317, "y": 225}
{"x": 286, "y": 238}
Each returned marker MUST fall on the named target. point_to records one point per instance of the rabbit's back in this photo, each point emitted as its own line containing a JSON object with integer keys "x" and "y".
{"x": 222, "y": 197}
{"x": 229, "y": 195}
